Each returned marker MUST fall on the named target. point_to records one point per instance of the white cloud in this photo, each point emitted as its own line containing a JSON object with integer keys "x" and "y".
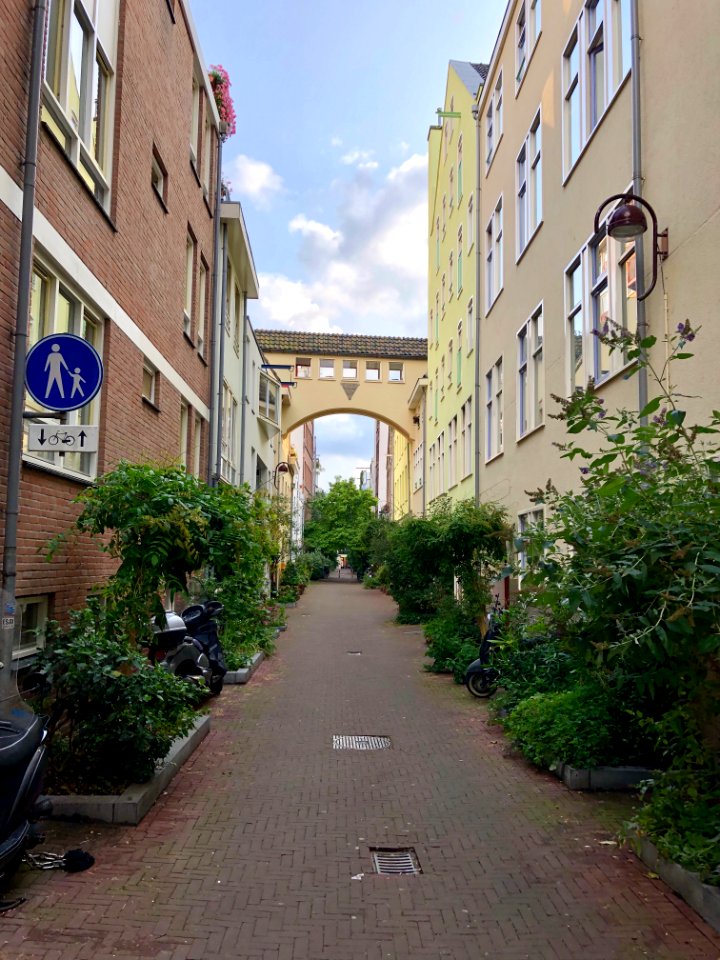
{"x": 365, "y": 273}
{"x": 255, "y": 180}
{"x": 362, "y": 159}
{"x": 335, "y": 142}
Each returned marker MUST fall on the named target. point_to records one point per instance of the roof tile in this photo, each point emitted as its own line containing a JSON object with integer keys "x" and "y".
{"x": 342, "y": 345}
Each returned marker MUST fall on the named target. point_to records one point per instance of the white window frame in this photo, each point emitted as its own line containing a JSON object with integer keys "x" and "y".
{"x": 459, "y": 354}
{"x": 327, "y": 364}
{"x": 229, "y": 441}
{"x": 149, "y": 385}
{"x": 197, "y": 444}
{"x": 202, "y": 307}
{"x": 470, "y": 334}
{"x": 184, "y": 431}
{"x": 471, "y": 221}
{"x": 466, "y": 439}
{"x": 303, "y": 368}
{"x": 459, "y": 169}
{"x": 526, "y": 519}
{"x": 396, "y": 371}
{"x": 83, "y": 320}
{"x": 531, "y": 379}
{"x": 460, "y": 260}
{"x": 452, "y": 452}
{"x": 494, "y": 122}
{"x": 268, "y": 398}
{"x": 528, "y": 187}
{"x": 31, "y": 647}
{"x": 375, "y": 367}
{"x": 494, "y": 256}
{"x": 349, "y": 369}
{"x": 190, "y": 257}
{"x": 494, "y": 411}
{"x": 88, "y": 147}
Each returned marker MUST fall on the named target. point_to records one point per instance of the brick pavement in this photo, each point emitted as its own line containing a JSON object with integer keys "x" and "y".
{"x": 260, "y": 850}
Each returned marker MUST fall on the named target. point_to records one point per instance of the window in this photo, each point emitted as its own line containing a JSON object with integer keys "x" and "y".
{"x": 149, "y": 383}
{"x": 189, "y": 284}
{"x": 466, "y": 465}
{"x": 471, "y": 222}
{"x": 470, "y": 325}
{"x": 238, "y": 304}
{"x": 158, "y": 177}
{"x": 526, "y": 522}
{"x": 452, "y": 452}
{"x": 628, "y": 288}
{"x": 418, "y": 465}
{"x": 395, "y": 372}
{"x": 529, "y": 186}
{"x": 207, "y": 154}
{"x": 493, "y": 256}
{"x": 493, "y": 122}
{"x": 531, "y": 384}
{"x": 450, "y": 364}
{"x": 437, "y": 244}
{"x": 268, "y": 398}
{"x": 451, "y": 274}
{"x": 434, "y": 325}
{"x": 573, "y": 300}
{"x": 600, "y": 306}
{"x": 595, "y": 60}
{"x": 572, "y": 132}
{"x": 327, "y": 369}
{"x": 184, "y": 428}
{"x": 458, "y": 369}
{"x": 197, "y": 444}
{"x": 460, "y": 168}
{"x": 302, "y": 368}
{"x": 33, "y": 620}
{"x": 195, "y": 121}
{"x": 451, "y": 188}
{"x": 444, "y": 216}
{"x": 202, "y": 308}
{"x": 229, "y": 444}
{"x": 56, "y": 308}
{"x": 460, "y": 260}
{"x": 622, "y": 31}
{"x": 78, "y": 92}
{"x": 535, "y": 25}
{"x": 521, "y": 47}
{"x": 350, "y": 370}
{"x": 493, "y": 410}
{"x": 372, "y": 370}
{"x": 440, "y": 477}
{"x": 442, "y": 287}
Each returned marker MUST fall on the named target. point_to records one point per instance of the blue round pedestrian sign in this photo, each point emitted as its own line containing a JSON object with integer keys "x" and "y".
{"x": 63, "y": 372}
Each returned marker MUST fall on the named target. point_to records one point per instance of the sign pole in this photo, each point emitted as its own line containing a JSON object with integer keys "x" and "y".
{"x": 10, "y": 624}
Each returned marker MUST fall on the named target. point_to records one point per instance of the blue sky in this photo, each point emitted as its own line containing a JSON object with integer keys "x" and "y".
{"x": 333, "y": 103}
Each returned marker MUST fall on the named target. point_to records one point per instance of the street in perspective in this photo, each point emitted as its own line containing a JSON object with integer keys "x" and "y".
{"x": 359, "y": 480}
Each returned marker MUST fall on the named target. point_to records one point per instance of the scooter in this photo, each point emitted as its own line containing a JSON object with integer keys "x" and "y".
{"x": 200, "y": 620}
{"x": 23, "y": 759}
{"x": 481, "y": 676}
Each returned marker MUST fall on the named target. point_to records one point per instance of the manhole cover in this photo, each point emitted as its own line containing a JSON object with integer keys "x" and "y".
{"x": 360, "y": 743}
{"x": 391, "y": 861}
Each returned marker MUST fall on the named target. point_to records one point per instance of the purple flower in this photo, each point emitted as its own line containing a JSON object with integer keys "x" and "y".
{"x": 680, "y": 328}
{"x": 584, "y": 470}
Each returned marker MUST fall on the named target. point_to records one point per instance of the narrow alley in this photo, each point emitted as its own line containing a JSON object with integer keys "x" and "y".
{"x": 262, "y": 847}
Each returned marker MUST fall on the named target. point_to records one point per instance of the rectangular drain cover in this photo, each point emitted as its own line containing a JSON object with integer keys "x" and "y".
{"x": 392, "y": 862}
{"x": 360, "y": 743}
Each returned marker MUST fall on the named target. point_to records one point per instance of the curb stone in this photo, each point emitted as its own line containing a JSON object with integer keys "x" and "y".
{"x": 131, "y": 806}
{"x": 702, "y": 897}
{"x": 244, "y": 673}
{"x": 602, "y": 778}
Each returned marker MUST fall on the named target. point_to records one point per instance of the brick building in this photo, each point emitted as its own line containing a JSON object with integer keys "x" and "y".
{"x": 124, "y": 230}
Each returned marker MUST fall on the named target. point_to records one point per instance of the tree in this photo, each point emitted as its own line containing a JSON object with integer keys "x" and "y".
{"x": 338, "y": 518}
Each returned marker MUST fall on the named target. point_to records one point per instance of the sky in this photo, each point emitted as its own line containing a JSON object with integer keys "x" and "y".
{"x": 333, "y": 101}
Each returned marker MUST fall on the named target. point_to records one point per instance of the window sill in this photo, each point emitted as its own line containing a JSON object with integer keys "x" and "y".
{"x": 201, "y": 358}
{"x": 621, "y": 371}
{"x": 489, "y": 163}
{"x": 519, "y": 83}
{"x": 532, "y": 236}
{"x": 497, "y": 297}
{"x": 171, "y": 10}
{"x": 493, "y": 458}
{"x": 194, "y": 167}
{"x": 595, "y": 129}
{"x": 147, "y": 402}
{"x": 160, "y": 199}
{"x": 189, "y": 339}
{"x": 529, "y": 433}
{"x": 61, "y": 472}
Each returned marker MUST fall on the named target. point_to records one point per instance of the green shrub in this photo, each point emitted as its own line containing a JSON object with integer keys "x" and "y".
{"x": 453, "y": 640}
{"x": 573, "y": 726}
{"x": 116, "y": 714}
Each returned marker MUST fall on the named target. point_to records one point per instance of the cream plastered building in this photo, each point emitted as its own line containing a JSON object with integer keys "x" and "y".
{"x": 569, "y": 115}
{"x": 452, "y": 289}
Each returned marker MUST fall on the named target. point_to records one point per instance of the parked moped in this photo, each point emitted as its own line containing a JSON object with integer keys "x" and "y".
{"x": 481, "y": 676}
{"x": 202, "y": 625}
{"x": 188, "y": 644}
{"x": 23, "y": 759}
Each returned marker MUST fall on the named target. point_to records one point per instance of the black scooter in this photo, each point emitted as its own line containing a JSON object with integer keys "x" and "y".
{"x": 23, "y": 759}
{"x": 481, "y": 676}
{"x": 202, "y": 626}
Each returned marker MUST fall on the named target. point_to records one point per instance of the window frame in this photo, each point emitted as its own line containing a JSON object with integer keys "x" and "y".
{"x": 530, "y": 374}
{"x": 494, "y": 122}
{"x": 374, "y": 365}
{"x": 323, "y": 366}
{"x": 396, "y": 366}
{"x": 303, "y": 368}
{"x": 494, "y": 436}
{"x": 23, "y": 651}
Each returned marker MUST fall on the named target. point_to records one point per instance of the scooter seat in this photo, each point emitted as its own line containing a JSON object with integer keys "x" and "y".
{"x": 20, "y": 736}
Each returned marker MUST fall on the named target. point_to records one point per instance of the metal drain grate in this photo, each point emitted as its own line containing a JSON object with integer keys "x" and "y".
{"x": 394, "y": 862}
{"x": 360, "y": 743}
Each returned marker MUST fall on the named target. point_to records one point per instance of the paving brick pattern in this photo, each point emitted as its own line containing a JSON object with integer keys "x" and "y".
{"x": 260, "y": 849}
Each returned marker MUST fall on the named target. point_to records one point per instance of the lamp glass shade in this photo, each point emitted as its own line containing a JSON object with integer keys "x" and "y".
{"x": 282, "y": 468}
{"x": 626, "y": 222}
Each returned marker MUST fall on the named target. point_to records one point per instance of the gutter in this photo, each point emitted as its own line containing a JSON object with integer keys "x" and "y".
{"x": 221, "y": 364}
{"x": 637, "y": 181}
{"x": 216, "y": 371}
{"x": 478, "y": 268}
{"x": 10, "y": 622}
{"x": 243, "y": 391}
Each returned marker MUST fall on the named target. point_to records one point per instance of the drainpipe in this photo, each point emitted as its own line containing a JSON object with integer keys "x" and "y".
{"x": 424, "y": 443}
{"x": 478, "y": 266}
{"x": 637, "y": 182}
{"x": 11, "y": 623}
{"x": 243, "y": 392}
{"x": 216, "y": 371}
{"x": 221, "y": 352}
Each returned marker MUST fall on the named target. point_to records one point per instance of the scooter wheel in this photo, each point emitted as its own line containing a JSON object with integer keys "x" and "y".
{"x": 480, "y": 686}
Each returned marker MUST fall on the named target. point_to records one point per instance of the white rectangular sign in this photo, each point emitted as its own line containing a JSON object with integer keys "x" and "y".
{"x": 64, "y": 439}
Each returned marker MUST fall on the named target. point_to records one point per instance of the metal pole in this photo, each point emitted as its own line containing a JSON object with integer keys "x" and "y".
{"x": 478, "y": 265}
{"x": 10, "y": 623}
{"x": 243, "y": 391}
{"x": 637, "y": 188}
{"x": 221, "y": 359}
{"x": 215, "y": 366}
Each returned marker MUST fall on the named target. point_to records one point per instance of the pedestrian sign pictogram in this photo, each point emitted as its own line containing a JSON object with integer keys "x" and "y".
{"x": 63, "y": 372}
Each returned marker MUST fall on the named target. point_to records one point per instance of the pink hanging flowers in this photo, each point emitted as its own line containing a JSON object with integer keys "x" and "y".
{"x": 220, "y": 83}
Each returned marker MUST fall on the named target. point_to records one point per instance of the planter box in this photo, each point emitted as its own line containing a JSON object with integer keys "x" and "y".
{"x": 602, "y": 778}
{"x": 244, "y": 673}
{"x": 132, "y": 805}
{"x": 703, "y": 898}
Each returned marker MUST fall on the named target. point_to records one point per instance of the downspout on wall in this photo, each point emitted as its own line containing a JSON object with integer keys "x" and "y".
{"x": 243, "y": 391}
{"x": 637, "y": 183}
{"x": 478, "y": 265}
{"x": 216, "y": 362}
{"x": 10, "y": 622}
{"x": 221, "y": 353}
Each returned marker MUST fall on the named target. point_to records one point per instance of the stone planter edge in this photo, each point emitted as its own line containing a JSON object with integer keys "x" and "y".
{"x": 702, "y": 897}
{"x": 244, "y": 674}
{"x": 131, "y": 806}
{"x": 602, "y": 778}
